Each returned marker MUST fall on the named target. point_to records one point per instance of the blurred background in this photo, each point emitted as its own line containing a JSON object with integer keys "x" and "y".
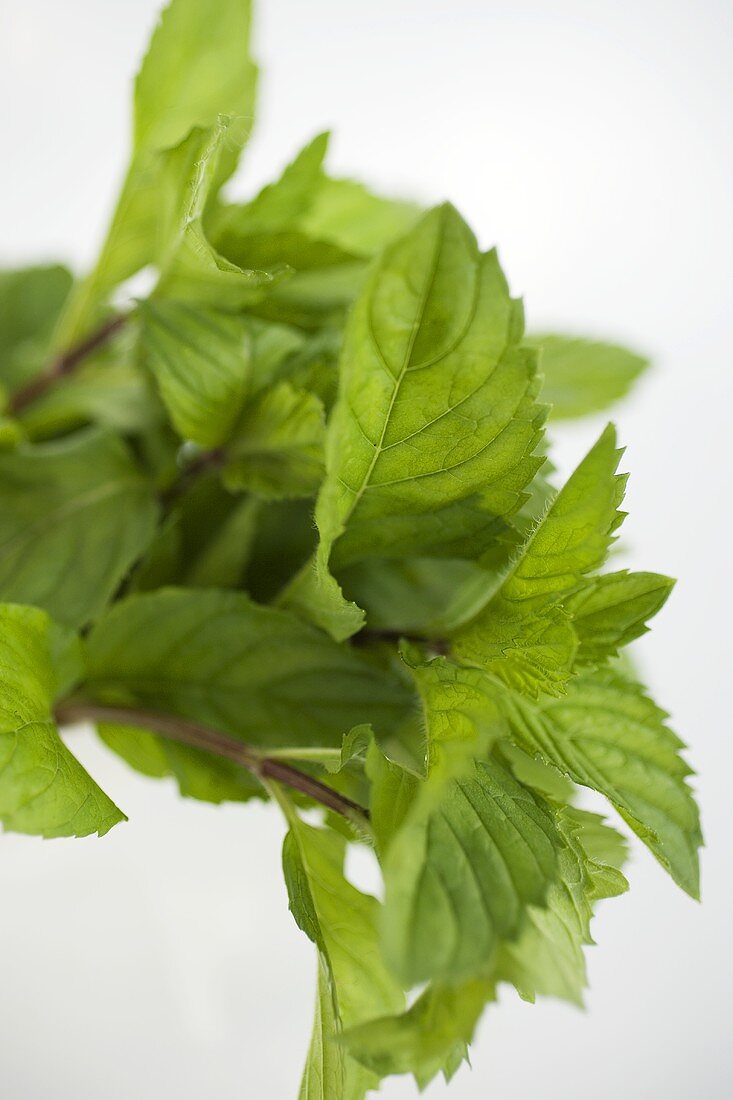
{"x": 593, "y": 143}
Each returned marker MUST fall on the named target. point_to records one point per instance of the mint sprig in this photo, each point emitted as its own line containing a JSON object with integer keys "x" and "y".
{"x": 286, "y": 529}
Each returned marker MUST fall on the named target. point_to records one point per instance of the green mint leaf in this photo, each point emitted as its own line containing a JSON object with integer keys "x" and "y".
{"x": 548, "y": 958}
{"x": 30, "y": 303}
{"x": 347, "y": 214}
{"x": 532, "y": 772}
{"x": 279, "y": 206}
{"x": 206, "y": 540}
{"x": 198, "y": 774}
{"x": 522, "y": 632}
{"x": 304, "y": 201}
{"x": 315, "y": 595}
{"x": 322, "y": 281}
{"x": 461, "y": 716}
{"x": 607, "y": 734}
{"x": 408, "y": 596}
{"x": 283, "y": 542}
{"x": 274, "y": 352}
{"x": 74, "y": 516}
{"x": 143, "y": 751}
{"x": 277, "y": 452}
{"x": 201, "y": 362}
{"x": 414, "y": 462}
{"x": 251, "y": 671}
{"x": 266, "y": 233}
{"x": 195, "y": 69}
{"x": 394, "y": 788}
{"x": 613, "y": 610}
{"x": 43, "y": 789}
{"x": 603, "y": 844}
{"x": 431, "y": 342}
{"x": 472, "y": 850}
{"x": 461, "y": 872}
{"x": 325, "y": 421}
{"x": 584, "y": 376}
{"x": 308, "y": 222}
{"x": 110, "y": 391}
{"x": 327, "y": 1072}
{"x": 222, "y": 559}
{"x": 342, "y": 922}
{"x": 192, "y": 269}
{"x": 429, "y": 1038}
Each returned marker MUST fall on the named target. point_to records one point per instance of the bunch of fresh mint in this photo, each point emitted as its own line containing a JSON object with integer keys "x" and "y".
{"x": 282, "y": 530}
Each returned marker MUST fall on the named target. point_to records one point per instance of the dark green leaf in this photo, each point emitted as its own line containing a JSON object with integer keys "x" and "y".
{"x": 74, "y": 517}
{"x": 277, "y": 449}
{"x": 30, "y": 302}
{"x": 250, "y": 671}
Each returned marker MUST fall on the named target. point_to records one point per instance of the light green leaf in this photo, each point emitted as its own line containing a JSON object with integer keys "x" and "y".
{"x": 322, "y": 280}
{"x": 305, "y": 221}
{"x": 341, "y": 921}
{"x": 279, "y": 206}
{"x": 310, "y": 220}
{"x": 143, "y": 751}
{"x": 251, "y": 671}
{"x": 74, "y": 516}
{"x": 43, "y": 788}
{"x": 607, "y": 734}
{"x": 315, "y": 595}
{"x": 394, "y": 788}
{"x": 266, "y": 234}
{"x": 522, "y": 632}
{"x": 461, "y": 717}
{"x": 584, "y": 376}
{"x": 197, "y": 67}
{"x": 548, "y": 958}
{"x": 328, "y": 1072}
{"x": 430, "y": 444}
{"x": 196, "y": 70}
{"x": 30, "y": 302}
{"x": 461, "y": 872}
{"x": 277, "y": 451}
{"x": 430, "y": 1037}
{"x": 604, "y": 845}
{"x": 201, "y": 361}
{"x": 347, "y": 214}
{"x": 612, "y": 610}
{"x": 532, "y": 772}
{"x": 273, "y": 348}
{"x": 472, "y": 850}
{"x": 192, "y": 269}
{"x": 320, "y": 292}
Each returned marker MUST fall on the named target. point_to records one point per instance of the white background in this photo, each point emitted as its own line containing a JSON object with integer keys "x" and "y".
{"x": 593, "y": 142}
